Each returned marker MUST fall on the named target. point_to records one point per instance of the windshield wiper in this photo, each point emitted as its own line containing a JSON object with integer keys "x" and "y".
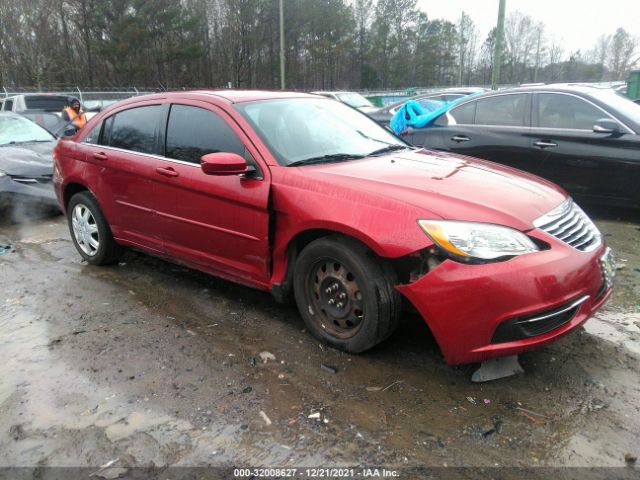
{"x": 13, "y": 142}
{"x": 334, "y": 157}
{"x": 390, "y": 148}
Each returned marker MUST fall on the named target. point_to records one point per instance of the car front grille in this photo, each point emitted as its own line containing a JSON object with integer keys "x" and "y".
{"x": 571, "y": 225}
{"x": 538, "y": 324}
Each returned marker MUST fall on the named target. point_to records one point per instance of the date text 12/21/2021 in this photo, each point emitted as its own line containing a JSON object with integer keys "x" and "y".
{"x": 311, "y": 473}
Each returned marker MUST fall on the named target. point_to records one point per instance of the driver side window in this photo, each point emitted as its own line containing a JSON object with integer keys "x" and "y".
{"x": 566, "y": 111}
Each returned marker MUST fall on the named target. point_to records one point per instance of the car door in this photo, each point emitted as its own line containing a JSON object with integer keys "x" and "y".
{"x": 218, "y": 222}
{"x": 120, "y": 158}
{"x": 591, "y": 165}
{"x": 494, "y": 128}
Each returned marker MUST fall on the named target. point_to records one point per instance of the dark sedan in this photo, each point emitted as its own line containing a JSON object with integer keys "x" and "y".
{"x": 26, "y": 164}
{"x": 429, "y": 101}
{"x": 584, "y": 138}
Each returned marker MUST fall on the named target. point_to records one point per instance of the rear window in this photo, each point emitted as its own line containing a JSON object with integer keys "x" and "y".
{"x": 50, "y": 103}
{"x": 135, "y": 129}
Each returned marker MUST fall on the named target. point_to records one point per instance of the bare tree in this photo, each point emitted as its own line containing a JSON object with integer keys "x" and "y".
{"x": 621, "y": 53}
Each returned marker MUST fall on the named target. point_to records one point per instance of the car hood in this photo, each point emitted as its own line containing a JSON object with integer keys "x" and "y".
{"x": 447, "y": 186}
{"x": 27, "y": 159}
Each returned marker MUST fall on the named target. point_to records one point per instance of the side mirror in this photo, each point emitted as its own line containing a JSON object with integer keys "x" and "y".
{"x": 69, "y": 131}
{"x": 606, "y": 125}
{"x": 223, "y": 163}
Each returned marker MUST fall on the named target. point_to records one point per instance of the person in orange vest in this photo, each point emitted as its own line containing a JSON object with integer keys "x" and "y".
{"x": 74, "y": 114}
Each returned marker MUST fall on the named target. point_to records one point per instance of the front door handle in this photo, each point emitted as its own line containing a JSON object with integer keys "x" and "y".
{"x": 542, "y": 144}
{"x": 167, "y": 172}
{"x": 460, "y": 138}
{"x": 100, "y": 156}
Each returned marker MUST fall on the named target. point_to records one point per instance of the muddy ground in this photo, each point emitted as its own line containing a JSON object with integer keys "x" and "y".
{"x": 151, "y": 364}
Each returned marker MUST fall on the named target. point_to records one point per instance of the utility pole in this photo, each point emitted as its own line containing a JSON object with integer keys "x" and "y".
{"x": 535, "y": 72}
{"x": 460, "y": 71}
{"x": 282, "y": 82}
{"x": 497, "y": 54}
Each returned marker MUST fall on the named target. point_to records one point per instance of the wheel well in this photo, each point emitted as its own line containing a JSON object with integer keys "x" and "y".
{"x": 282, "y": 292}
{"x": 70, "y": 190}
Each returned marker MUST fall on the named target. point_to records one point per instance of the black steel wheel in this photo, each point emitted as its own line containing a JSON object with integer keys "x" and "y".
{"x": 345, "y": 293}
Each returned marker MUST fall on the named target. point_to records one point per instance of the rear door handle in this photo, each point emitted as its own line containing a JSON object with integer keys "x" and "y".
{"x": 542, "y": 144}
{"x": 460, "y": 138}
{"x": 582, "y": 163}
{"x": 100, "y": 156}
{"x": 167, "y": 172}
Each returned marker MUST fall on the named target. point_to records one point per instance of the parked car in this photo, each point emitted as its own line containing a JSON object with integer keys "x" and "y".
{"x": 586, "y": 139}
{"x": 353, "y": 99}
{"x": 429, "y": 101}
{"x": 296, "y": 194}
{"x": 26, "y": 164}
{"x": 43, "y": 102}
{"x": 50, "y": 121}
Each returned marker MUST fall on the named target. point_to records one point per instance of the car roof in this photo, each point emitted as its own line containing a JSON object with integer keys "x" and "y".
{"x": 227, "y": 95}
{"x": 320, "y": 92}
{"x": 582, "y": 88}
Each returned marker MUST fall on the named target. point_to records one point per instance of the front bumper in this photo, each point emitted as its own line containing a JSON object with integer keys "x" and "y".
{"x": 465, "y": 304}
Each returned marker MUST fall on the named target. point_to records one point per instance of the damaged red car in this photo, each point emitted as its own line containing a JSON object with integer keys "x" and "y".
{"x": 305, "y": 197}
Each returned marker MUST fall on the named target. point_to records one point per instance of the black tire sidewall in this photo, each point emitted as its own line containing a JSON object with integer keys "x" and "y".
{"x": 370, "y": 278}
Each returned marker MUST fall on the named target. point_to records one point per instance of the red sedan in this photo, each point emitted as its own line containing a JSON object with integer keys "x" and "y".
{"x": 304, "y": 196}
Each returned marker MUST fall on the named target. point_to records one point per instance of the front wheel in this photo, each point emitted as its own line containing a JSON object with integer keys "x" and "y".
{"x": 90, "y": 231}
{"x": 346, "y": 294}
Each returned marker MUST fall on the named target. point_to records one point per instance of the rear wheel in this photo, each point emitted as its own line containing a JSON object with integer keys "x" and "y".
{"x": 346, "y": 294}
{"x": 90, "y": 231}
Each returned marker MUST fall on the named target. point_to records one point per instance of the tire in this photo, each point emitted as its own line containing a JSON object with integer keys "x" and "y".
{"x": 346, "y": 294}
{"x": 90, "y": 231}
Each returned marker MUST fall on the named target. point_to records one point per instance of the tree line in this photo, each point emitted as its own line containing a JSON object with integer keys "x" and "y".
{"x": 330, "y": 44}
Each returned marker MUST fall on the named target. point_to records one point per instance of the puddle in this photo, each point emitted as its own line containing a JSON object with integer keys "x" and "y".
{"x": 620, "y": 328}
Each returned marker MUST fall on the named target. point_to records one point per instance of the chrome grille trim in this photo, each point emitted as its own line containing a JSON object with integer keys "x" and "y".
{"x": 580, "y": 301}
{"x": 569, "y": 224}
{"x": 45, "y": 179}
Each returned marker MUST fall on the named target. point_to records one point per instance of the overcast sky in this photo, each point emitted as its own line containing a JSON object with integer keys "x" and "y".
{"x": 577, "y": 23}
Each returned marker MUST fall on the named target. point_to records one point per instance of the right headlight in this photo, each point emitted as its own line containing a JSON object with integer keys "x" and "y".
{"x": 477, "y": 241}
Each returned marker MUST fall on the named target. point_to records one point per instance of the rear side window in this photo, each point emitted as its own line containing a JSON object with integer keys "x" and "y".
{"x": 565, "y": 111}
{"x": 463, "y": 114}
{"x": 503, "y": 110}
{"x": 135, "y": 129}
{"x": 193, "y": 132}
{"x": 8, "y": 105}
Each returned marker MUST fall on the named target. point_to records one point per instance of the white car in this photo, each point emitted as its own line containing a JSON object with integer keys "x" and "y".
{"x": 353, "y": 99}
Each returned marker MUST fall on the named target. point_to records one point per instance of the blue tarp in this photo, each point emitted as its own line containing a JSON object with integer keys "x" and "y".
{"x": 420, "y": 115}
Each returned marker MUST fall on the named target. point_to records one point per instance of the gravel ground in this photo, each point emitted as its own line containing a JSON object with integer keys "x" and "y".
{"x": 152, "y": 364}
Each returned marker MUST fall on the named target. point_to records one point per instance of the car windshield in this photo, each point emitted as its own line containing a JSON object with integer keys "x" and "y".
{"x": 354, "y": 100}
{"x": 14, "y": 129}
{"x": 619, "y": 104}
{"x": 306, "y": 129}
